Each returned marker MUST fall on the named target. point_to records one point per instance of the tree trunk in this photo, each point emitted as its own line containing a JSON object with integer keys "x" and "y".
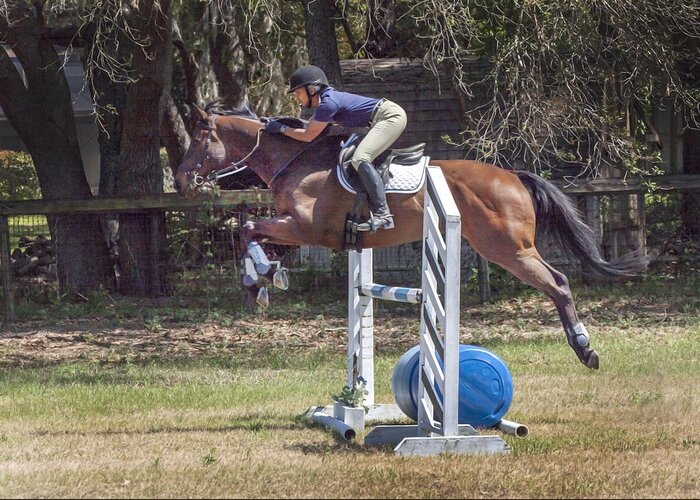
{"x": 142, "y": 236}
{"x": 42, "y": 115}
{"x": 690, "y": 202}
{"x": 109, "y": 95}
{"x": 319, "y": 19}
{"x": 174, "y": 134}
{"x": 231, "y": 84}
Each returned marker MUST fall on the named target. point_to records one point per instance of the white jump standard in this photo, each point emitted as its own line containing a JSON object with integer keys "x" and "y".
{"x": 438, "y": 429}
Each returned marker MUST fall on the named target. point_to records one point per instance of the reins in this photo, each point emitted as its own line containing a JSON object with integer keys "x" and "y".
{"x": 234, "y": 167}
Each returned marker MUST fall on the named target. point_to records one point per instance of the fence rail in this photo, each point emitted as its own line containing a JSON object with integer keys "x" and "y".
{"x": 164, "y": 201}
{"x": 174, "y": 201}
{"x": 253, "y": 197}
{"x": 632, "y": 185}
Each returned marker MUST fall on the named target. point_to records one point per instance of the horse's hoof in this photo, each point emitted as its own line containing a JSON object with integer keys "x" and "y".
{"x": 579, "y": 341}
{"x": 263, "y": 298}
{"x": 592, "y": 361}
{"x": 281, "y": 278}
{"x": 588, "y": 357}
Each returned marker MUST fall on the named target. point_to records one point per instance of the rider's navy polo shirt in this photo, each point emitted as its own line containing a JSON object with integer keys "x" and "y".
{"x": 343, "y": 108}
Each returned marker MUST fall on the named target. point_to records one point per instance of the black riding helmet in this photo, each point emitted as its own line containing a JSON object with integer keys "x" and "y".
{"x": 305, "y": 76}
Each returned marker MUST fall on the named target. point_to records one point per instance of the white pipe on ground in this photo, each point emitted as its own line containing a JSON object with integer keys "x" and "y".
{"x": 513, "y": 428}
{"x": 345, "y": 431}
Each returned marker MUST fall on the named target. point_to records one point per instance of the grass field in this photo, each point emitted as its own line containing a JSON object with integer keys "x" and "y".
{"x": 132, "y": 400}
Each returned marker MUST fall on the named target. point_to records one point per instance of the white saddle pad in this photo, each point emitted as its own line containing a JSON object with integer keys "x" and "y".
{"x": 405, "y": 179}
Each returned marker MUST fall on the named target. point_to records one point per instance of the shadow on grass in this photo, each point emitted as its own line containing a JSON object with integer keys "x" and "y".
{"x": 253, "y": 423}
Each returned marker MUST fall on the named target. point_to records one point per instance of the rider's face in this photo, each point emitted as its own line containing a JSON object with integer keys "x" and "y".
{"x": 300, "y": 96}
{"x": 303, "y": 98}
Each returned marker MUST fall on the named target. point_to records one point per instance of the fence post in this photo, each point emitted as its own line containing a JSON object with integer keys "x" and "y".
{"x": 6, "y": 270}
{"x": 484, "y": 280}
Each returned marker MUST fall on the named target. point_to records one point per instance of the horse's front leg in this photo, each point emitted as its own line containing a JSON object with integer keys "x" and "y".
{"x": 258, "y": 269}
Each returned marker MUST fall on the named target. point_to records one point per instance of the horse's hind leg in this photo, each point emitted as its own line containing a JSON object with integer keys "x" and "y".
{"x": 531, "y": 268}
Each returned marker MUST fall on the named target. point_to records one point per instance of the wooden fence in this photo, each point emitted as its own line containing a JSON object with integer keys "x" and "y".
{"x": 251, "y": 198}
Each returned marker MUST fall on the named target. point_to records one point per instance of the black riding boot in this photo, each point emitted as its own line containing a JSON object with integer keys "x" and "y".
{"x": 380, "y": 218}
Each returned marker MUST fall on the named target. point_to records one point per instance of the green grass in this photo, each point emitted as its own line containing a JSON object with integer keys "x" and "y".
{"x": 89, "y": 389}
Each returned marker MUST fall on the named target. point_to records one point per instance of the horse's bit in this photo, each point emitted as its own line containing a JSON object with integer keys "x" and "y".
{"x": 233, "y": 167}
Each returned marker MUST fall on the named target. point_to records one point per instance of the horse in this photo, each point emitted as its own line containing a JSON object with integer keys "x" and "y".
{"x": 501, "y": 209}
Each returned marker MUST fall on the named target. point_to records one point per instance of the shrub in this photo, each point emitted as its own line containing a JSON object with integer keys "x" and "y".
{"x": 18, "y": 180}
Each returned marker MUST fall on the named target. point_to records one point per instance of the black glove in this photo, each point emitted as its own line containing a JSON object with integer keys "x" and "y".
{"x": 275, "y": 127}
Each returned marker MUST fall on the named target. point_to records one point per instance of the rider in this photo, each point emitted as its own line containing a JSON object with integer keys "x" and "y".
{"x": 386, "y": 121}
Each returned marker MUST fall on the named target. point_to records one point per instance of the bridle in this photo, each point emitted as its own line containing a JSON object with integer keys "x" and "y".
{"x": 234, "y": 167}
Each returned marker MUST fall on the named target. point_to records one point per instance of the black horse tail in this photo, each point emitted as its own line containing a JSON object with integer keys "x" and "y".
{"x": 559, "y": 217}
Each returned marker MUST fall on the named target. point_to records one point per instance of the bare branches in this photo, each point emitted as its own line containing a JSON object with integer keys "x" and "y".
{"x": 110, "y": 30}
{"x": 242, "y": 48}
{"x": 565, "y": 74}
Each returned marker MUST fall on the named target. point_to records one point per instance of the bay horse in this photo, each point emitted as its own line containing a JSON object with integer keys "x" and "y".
{"x": 500, "y": 208}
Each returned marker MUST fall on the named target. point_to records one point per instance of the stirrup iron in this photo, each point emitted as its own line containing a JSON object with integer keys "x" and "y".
{"x": 375, "y": 223}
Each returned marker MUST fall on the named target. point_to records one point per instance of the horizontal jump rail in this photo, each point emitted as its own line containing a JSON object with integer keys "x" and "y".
{"x": 392, "y": 293}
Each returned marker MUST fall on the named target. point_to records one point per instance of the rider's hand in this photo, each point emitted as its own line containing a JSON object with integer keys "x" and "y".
{"x": 275, "y": 127}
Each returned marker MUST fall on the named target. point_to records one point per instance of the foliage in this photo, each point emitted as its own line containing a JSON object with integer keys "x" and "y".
{"x": 570, "y": 84}
{"x": 18, "y": 180}
{"x": 250, "y": 48}
{"x": 353, "y": 397}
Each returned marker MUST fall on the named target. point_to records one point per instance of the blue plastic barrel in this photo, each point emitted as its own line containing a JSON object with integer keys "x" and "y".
{"x": 485, "y": 386}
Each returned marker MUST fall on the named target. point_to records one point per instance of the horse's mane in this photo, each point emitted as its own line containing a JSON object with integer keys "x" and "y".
{"x": 219, "y": 108}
